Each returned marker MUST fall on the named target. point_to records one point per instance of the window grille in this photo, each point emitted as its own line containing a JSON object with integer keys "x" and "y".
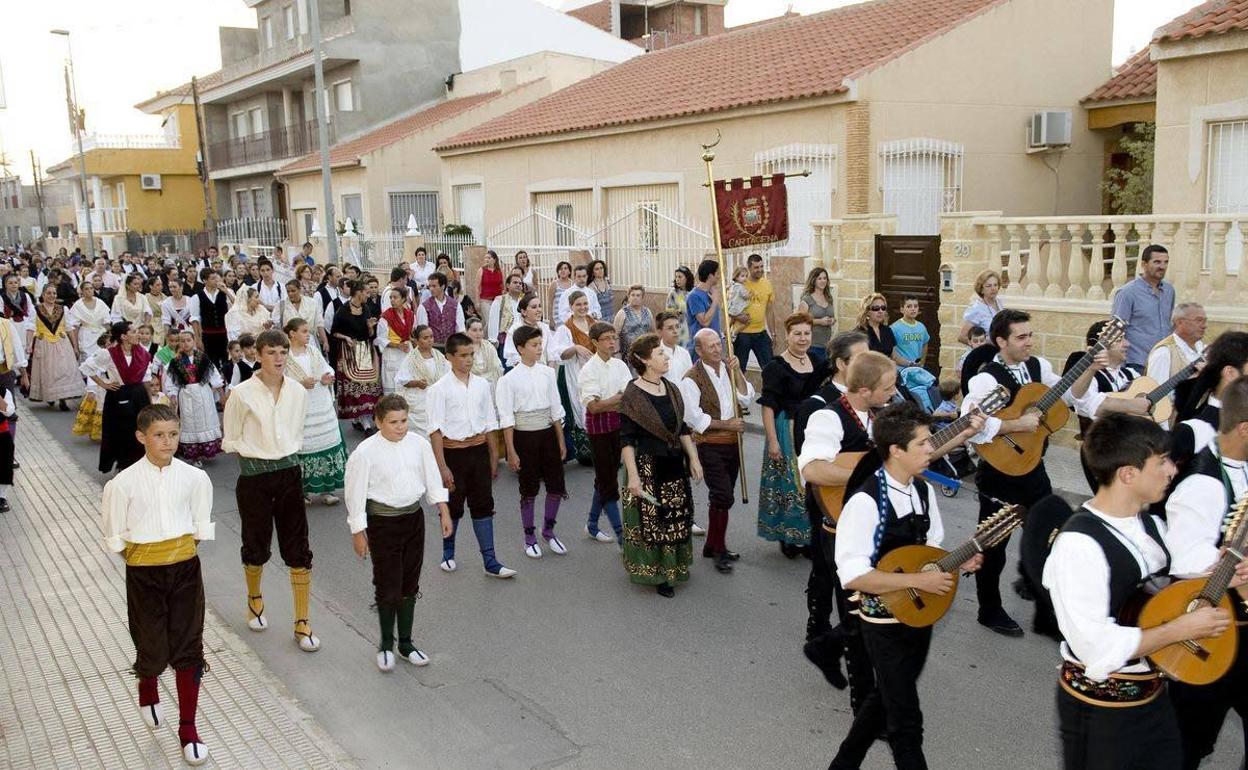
{"x": 810, "y": 198}
{"x": 920, "y": 179}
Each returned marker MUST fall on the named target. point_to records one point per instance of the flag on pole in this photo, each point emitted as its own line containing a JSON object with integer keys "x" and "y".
{"x": 753, "y": 211}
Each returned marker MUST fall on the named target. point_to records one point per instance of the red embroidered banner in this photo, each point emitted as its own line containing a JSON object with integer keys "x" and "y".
{"x": 754, "y": 214}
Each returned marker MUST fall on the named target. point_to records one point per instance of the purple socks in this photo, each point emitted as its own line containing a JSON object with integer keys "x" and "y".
{"x": 552, "y": 513}
{"x": 526, "y": 518}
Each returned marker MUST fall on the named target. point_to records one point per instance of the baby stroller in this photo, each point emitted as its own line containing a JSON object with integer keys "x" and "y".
{"x": 919, "y": 386}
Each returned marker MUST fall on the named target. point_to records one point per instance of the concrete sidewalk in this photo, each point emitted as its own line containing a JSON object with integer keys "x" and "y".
{"x": 67, "y": 697}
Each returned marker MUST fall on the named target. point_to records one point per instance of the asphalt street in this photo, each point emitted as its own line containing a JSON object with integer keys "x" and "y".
{"x": 569, "y": 665}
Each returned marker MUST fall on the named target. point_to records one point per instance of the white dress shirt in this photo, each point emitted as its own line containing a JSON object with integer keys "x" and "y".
{"x": 983, "y": 383}
{"x": 698, "y": 420}
{"x": 1195, "y": 512}
{"x": 1158, "y": 366}
{"x": 679, "y": 362}
{"x": 494, "y": 320}
{"x": 460, "y": 411}
{"x": 1203, "y": 433}
{"x": 564, "y": 311}
{"x": 394, "y": 473}
{"x": 527, "y": 389}
{"x": 193, "y": 303}
{"x": 855, "y": 530}
{"x": 1093, "y": 397}
{"x": 599, "y": 379}
{"x": 271, "y": 294}
{"x": 422, "y": 315}
{"x": 1077, "y": 576}
{"x": 146, "y": 504}
{"x": 256, "y": 426}
{"x": 309, "y": 309}
{"x": 19, "y": 344}
{"x": 824, "y": 435}
{"x": 420, "y": 274}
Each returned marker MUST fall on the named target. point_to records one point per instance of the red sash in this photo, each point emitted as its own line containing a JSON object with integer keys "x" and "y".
{"x": 135, "y": 371}
{"x": 400, "y": 324}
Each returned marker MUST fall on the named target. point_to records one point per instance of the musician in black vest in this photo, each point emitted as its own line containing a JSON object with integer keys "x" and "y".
{"x": 1013, "y": 366}
{"x": 836, "y": 421}
{"x": 1111, "y": 703}
{"x": 1196, "y": 516}
{"x": 894, "y": 508}
{"x": 1225, "y": 361}
{"x": 1116, "y": 376}
{"x": 208, "y": 317}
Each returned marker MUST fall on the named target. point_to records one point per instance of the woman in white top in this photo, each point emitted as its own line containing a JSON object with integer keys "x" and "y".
{"x": 571, "y": 347}
{"x": 88, "y": 318}
{"x": 155, "y": 298}
{"x": 561, "y": 284}
{"x": 984, "y": 307}
{"x": 526, "y": 271}
{"x": 323, "y": 456}
{"x": 423, "y": 366}
{"x": 131, "y": 304}
{"x": 530, "y": 314}
{"x": 394, "y": 333}
{"x": 248, "y": 316}
{"x": 485, "y": 360}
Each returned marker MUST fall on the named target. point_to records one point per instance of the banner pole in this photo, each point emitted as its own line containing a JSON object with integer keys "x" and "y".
{"x": 708, "y": 156}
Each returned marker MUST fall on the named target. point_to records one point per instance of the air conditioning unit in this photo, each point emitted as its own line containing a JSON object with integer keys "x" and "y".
{"x": 1050, "y": 128}
{"x": 149, "y": 181}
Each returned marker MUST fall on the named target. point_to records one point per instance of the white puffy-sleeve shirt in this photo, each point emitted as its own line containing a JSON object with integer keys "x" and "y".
{"x": 527, "y": 389}
{"x": 855, "y": 530}
{"x": 147, "y": 504}
{"x": 1195, "y": 512}
{"x": 983, "y": 383}
{"x": 395, "y": 473}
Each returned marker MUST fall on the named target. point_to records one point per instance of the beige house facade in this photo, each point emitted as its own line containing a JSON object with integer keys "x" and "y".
{"x": 911, "y": 127}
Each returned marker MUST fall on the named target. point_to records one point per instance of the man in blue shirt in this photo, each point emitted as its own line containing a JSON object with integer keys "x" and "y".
{"x": 702, "y": 304}
{"x": 1146, "y": 304}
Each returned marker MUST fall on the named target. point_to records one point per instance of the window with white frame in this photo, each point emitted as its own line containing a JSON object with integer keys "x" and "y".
{"x": 241, "y": 129}
{"x": 810, "y": 197}
{"x": 353, "y": 208}
{"x": 1228, "y": 184}
{"x": 343, "y": 96}
{"x": 470, "y": 208}
{"x": 920, "y": 179}
{"x": 257, "y": 120}
{"x": 266, "y": 27}
{"x": 422, "y": 205}
{"x": 288, "y": 16}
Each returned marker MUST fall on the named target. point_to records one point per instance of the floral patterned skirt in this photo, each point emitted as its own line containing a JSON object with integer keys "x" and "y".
{"x": 657, "y": 546}
{"x": 90, "y": 418}
{"x": 358, "y": 384}
{"x": 781, "y": 499}
{"x": 574, "y": 436}
{"x": 323, "y": 471}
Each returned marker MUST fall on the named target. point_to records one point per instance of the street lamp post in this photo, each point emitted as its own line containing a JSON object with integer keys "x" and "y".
{"x": 82, "y": 159}
{"x": 322, "y": 128}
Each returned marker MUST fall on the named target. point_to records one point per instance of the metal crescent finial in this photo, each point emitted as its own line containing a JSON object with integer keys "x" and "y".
{"x": 707, "y": 155}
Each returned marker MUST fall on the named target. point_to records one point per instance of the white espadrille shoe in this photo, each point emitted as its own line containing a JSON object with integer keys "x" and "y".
{"x": 533, "y": 551}
{"x": 257, "y": 622}
{"x": 385, "y": 660}
{"x": 195, "y": 753}
{"x": 448, "y": 565}
{"x": 153, "y": 717}
{"x": 698, "y": 531}
{"x": 308, "y": 641}
{"x": 601, "y": 537}
{"x": 503, "y": 572}
{"x": 416, "y": 658}
{"x": 557, "y": 546}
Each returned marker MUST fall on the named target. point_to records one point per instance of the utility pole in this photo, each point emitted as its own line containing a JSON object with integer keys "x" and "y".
{"x": 210, "y": 223}
{"x": 322, "y": 128}
{"x": 71, "y": 92}
{"x": 34, "y": 169}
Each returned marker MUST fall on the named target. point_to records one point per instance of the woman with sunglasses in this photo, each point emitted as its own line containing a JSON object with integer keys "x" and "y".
{"x": 873, "y": 321}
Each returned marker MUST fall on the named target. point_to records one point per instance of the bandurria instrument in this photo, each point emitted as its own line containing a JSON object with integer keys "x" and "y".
{"x": 1198, "y": 661}
{"x": 831, "y": 498}
{"x": 920, "y": 609}
{"x": 1160, "y": 407}
{"x": 1017, "y": 454}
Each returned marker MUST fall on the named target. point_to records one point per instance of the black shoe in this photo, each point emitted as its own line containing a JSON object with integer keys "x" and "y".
{"x": 1023, "y": 589}
{"x": 665, "y": 590}
{"x": 805, "y": 551}
{"x": 731, "y": 555}
{"x": 4, "y": 505}
{"x": 1001, "y": 623}
{"x": 16, "y": 465}
{"x": 723, "y": 564}
{"x": 64, "y": 407}
{"x": 789, "y": 550}
{"x": 357, "y": 425}
{"x": 825, "y": 651}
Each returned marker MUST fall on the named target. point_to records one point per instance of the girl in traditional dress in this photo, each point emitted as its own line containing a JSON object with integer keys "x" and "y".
{"x": 155, "y": 298}
{"x": 485, "y": 360}
{"x": 248, "y": 315}
{"x": 323, "y": 456}
{"x": 682, "y": 284}
{"x": 528, "y": 313}
{"x": 122, "y": 371}
{"x": 176, "y": 312}
{"x": 571, "y": 347}
{"x": 562, "y": 283}
{"x": 192, "y": 384}
{"x": 423, "y": 366}
{"x": 54, "y": 373}
{"x": 358, "y": 379}
{"x": 660, "y": 459}
{"x": 788, "y": 380}
{"x": 88, "y": 318}
{"x": 394, "y": 334}
{"x": 634, "y": 319}
{"x": 130, "y": 304}
{"x": 89, "y": 421}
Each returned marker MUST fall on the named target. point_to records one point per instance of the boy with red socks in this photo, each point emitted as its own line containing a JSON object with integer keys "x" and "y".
{"x": 153, "y": 514}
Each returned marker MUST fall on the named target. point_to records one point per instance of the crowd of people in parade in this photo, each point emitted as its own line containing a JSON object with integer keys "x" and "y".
{"x": 448, "y": 377}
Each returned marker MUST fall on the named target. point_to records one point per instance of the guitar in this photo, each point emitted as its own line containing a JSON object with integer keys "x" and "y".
{"x": 920, "y": 609}
{"x": 831, "y": 498}
{"x": 1017, "y": 454}
{"x": 1160, "y": 407}
{"x": 1200, "y": 661}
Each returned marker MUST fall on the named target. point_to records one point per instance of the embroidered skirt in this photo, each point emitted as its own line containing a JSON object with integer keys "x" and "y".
{"x": 90, "y": 418}
{"x": 323, "y": 471}
{"x": 54, "y": 371}
{"x": 200, "y": 438}
{"x": 781, "y": 500}
{"x": 574, "y": 436}
{"x": 358, "y": 384}
{"x": 657, "y": 546}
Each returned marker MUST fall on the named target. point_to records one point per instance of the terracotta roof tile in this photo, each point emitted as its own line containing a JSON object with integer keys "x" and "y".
{"x": 350, "y": 151}
{"x": 595, "y": 14}
{"x": 1212, "y": 18}
{"x": 807, "y": 56}
{"x": 1135, "y": 79}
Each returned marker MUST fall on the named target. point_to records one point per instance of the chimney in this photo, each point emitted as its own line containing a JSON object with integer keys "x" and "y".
{"x": 506, "y": 80}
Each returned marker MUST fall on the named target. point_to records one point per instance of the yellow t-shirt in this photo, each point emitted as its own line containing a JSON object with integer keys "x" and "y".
{"x": 762, "y": 294}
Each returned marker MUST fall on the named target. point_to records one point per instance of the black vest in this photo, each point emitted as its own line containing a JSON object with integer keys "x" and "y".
{"x": 1030, "y": 486}
{"x": 1105, "y": 383}
{"x": 1124, "y": 571}
{"x": 1003, "y": 375}
{"x": 245, "y": 370}
{"x": 1206, "y": 463}
{"x": 855, "y": 438}
{"x": 911, "y": 530}
{"x": 212, "y": 313}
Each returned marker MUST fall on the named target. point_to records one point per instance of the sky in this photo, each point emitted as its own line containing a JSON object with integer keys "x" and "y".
{"x": 122, "y": 59}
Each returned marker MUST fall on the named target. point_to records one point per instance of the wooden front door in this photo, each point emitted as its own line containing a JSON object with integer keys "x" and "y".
{"x": 910, "y": 265}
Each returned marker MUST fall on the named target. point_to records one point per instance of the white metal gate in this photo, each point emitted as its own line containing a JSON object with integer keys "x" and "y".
{"x": 545, "y": 236}
{"x": 646, "y": 243}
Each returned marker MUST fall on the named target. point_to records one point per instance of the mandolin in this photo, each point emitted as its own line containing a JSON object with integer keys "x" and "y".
{"x": 1160, "y": 407}
{"x": 1200, "y": 661}
{"x": 832, "y": 497}
{"x": 920, "y": 609}
{"x": 1017, "y": 454}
